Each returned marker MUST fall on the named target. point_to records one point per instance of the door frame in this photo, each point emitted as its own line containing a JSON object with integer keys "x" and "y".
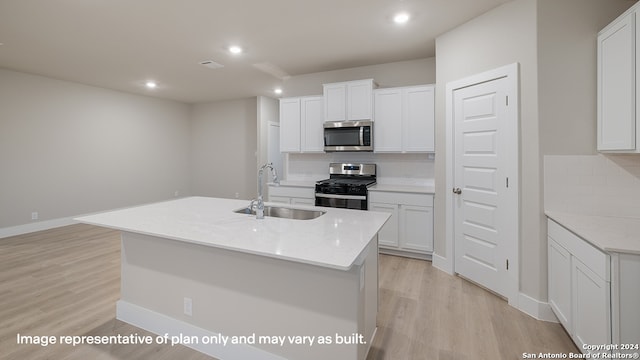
{"x": 511, "y": 72}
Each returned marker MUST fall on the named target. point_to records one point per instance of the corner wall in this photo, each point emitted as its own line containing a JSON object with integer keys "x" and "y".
{"x": 555, "y": 44}
{"x": 500, "y": 37}
{"x": 223, "y": 149}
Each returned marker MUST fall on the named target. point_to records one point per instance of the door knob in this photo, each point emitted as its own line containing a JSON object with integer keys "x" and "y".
{"x": 457, "y": 191}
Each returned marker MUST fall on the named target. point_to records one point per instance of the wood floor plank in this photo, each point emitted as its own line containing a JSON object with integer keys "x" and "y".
{"x": 66, "y": 281}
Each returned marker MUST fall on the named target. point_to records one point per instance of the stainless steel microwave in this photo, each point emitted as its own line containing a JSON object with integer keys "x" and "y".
{"x": 348, "y": 136}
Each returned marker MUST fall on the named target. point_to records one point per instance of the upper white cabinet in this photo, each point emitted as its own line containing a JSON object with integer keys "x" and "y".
{"x": 301, "y": 121}
{"x": 349, "y": 100}
{"x": 618, "y": 103}
{"x": 404, "y": 119}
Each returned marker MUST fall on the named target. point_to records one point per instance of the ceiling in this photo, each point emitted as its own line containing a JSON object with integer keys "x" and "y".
{"x": 122, "y": 44}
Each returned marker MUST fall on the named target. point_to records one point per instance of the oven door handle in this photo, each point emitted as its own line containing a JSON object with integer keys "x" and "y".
{"x": 346, "y": 197}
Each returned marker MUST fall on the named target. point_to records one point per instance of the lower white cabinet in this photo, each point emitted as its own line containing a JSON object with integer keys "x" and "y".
{"x": 294, "y": 195}
{"x": 625, "y": 295}
{"x": 409, "y": 230}
{"x": 579, "y": 286}
{"x": 560, "y": 282}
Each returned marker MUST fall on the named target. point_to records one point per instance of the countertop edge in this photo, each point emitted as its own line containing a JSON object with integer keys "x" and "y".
{"x": 572, "y": 222}
{"x": 333, "y": 264}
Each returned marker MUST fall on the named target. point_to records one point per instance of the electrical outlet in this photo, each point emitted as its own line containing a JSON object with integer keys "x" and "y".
{"x": 176, "y": 193}
{"x": 188, "y": 306}
{"x": 34, "y": 216}
{"x": 237, "y": 195}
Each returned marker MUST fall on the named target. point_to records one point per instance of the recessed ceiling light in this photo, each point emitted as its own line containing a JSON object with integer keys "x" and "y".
{"x": 277, "y": 91}
{"x": 151, "y": 84}
{"x": 401, "y": 18}
{"x": 235, "y": 49}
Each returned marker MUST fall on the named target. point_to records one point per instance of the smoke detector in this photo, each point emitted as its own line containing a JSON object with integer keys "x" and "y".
{"x": 211, "y": 64}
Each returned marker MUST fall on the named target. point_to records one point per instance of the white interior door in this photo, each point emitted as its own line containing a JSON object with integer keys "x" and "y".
{"x": 484, "y": 212}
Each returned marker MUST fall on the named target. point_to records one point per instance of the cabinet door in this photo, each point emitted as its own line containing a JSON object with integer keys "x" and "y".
{"x": 625, "y": 293}
{"x": 388, "y": 235}
{"x": 418, "y": 119}
{"x": 616, "y": 86}
{"x": 591, "y": 306}
{"x": 416, "y": 228}
{"x": 303, "y": 201}
{"x": 335, "y": 102}
{"x": 279, "y": 199}
{"x": 559, "y": 282}
{"x": 290, "y": 125}
{"x": 387, "y": 132}
{"x": 312, "y": 139}
{"x": 359, "y": 100}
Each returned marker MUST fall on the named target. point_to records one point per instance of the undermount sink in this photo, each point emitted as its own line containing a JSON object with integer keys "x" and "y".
{"x": 284, "y": 212}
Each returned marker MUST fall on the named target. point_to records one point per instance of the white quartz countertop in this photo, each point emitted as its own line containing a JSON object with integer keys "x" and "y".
{"x": 611, "y": 234}
{"x": 333, "y": 240}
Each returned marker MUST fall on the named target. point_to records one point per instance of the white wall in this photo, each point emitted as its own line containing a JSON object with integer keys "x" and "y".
{"x": 502, "y": 36}
{"x": 554, "y": 43}
{"x": 402, "y": 73}
{"x": 567, "y": 32}
{"x": 68, "y": 149}
{"x": 223, "y": 149}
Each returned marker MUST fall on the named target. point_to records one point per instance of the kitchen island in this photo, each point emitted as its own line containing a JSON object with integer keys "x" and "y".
{"x": 235, "y": 287}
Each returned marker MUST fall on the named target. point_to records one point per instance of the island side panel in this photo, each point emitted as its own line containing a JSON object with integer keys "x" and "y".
{"x": 242, "y": 294}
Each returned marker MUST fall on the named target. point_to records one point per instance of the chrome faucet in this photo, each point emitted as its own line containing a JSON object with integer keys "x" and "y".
{"x": 260, "y": 203}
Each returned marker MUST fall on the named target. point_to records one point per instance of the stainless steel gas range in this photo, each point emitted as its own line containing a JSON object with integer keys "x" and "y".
{"x": 347, "y": 186}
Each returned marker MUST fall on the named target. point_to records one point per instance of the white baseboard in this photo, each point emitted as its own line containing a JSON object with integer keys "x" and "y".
{"x": 35, "y": 226}
{"x": 535, "y": 308}
{"x": 442, "y": 263}
{"x": 163, "y": 325}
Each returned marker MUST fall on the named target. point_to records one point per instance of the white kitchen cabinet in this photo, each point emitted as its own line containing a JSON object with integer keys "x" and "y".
{"x": 416, "y": 227}
{"x": 559, "y": 282}
{"x": 625, "y": 292}
{"x": 389, "y": 234}
{"x": 404, "y": 119}
{"x": 301, "y": 121}
{"x": 617, "y": 100}
{"x": 290, "y": 117}
{"x": 409, "y": 231}
{"x": 349, "y": 100}
{"x": 293, "y": 195}
{"x": 579, "y": 286}
{"x": 591, "y": 305}
{"x": 387, "y": 114}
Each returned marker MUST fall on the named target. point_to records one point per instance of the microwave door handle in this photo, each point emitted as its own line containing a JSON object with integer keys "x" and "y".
{"x": 361, "y": 135}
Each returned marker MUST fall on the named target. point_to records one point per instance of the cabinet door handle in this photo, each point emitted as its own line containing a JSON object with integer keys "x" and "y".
{"x": 457, "y": 191}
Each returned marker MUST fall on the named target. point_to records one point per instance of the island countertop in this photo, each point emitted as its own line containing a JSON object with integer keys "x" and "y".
{"x": 334, "y": 240}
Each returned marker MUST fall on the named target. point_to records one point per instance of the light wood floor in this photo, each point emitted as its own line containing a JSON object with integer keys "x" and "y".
{"x": 66, "y": 281}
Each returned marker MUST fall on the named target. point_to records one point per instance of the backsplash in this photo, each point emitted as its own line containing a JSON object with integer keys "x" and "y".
{"x": 400, "y": 169}
{"x": 607, "y": 185}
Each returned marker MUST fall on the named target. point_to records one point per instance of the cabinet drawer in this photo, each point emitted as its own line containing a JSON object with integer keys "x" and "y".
{"x": 597, "y": 260}
{"x": 292, "y": 191}
{"x": 389, "y": 197}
